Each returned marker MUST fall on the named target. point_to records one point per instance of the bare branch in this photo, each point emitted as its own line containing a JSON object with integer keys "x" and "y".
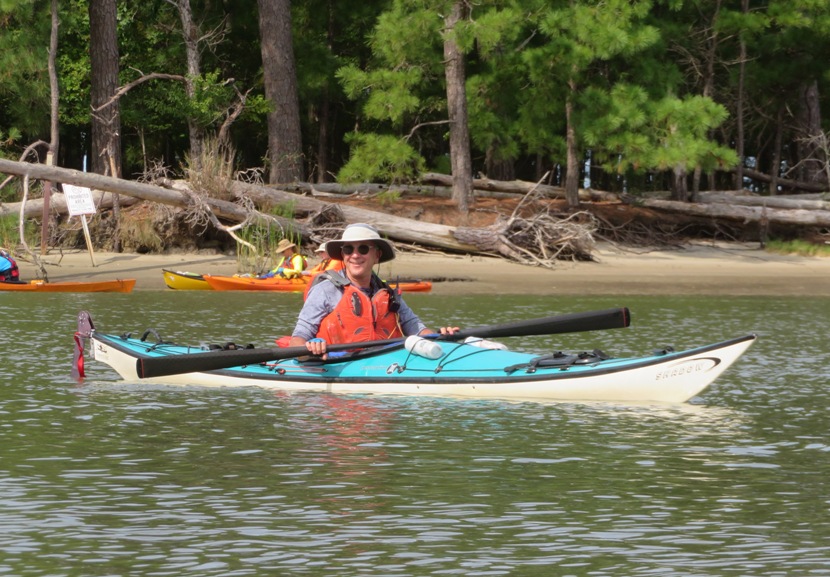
{"x": 232, "y": 114}
{"x": 417, "y": 126}
{"x": 127, "y": 87}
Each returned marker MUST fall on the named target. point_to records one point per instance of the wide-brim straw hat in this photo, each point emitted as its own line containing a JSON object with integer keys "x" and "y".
{"x": 356, "y": 233}
{"x": 284, "y": 244}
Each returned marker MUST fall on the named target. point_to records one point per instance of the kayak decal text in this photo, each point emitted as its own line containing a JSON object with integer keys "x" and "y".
{"x": 687, "y": 367}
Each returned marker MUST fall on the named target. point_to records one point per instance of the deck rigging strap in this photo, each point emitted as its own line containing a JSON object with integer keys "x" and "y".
{"x": 558, "y": 360}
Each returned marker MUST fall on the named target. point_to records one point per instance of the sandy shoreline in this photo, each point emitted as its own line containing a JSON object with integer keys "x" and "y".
{"x": 713, "y": 269}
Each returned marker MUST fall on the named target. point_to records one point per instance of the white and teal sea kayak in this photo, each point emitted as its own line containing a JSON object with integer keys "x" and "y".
{"x": 462, "y": 369}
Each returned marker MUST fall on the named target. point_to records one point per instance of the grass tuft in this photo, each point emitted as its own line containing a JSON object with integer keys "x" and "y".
{"x": 798, "y": 247}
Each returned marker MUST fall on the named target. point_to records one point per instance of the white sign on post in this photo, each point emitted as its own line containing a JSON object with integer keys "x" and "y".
{"x": 78, "y": 200}
{"x": 79, "y": 203}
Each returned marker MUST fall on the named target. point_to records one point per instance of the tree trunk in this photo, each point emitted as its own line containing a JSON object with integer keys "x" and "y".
{"x": 323, "y": 119}
{"x": 456, "y": 77}
{"x": 680, "y": 189}
{"x": 106, "y": 120}
{"x": 324, "y": 112}
{"x": 192, "y": 36}
{"x": 572, "y": 170}
{"x": 104, "y": 62}
{"x": 54, "y": 142}
{"x": 712, "y": 40}
{"x": 809, "y": 154}
{"x": 775, "y": 169}
{"x": 280, "y": 80}
{"x": 739, "y": 105}
{"x": 54, "y": 88}
{"x": 498, "y": 169}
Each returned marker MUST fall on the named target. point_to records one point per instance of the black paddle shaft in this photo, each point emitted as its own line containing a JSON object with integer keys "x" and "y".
{"x": 213, "y": 360}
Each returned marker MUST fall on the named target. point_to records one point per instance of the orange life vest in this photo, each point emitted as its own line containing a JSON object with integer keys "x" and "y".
{"x": 325, "y": 265}
{"x": 358, "y": 318}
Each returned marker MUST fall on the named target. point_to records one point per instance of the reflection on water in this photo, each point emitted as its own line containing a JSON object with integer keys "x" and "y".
{"x": 116, "y": 479}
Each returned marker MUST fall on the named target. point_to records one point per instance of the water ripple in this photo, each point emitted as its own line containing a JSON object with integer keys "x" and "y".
{"x": 118, "y": 479}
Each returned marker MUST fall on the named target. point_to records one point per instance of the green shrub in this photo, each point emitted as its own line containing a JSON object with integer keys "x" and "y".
{"x": 798, "y": 247}
{"x": 10, "y": 232}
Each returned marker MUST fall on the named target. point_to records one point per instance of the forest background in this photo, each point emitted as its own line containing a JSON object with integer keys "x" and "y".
{"x": 628, "y": 96}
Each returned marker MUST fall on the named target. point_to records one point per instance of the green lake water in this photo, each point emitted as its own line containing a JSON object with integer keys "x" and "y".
{"x": 106, "y": 478}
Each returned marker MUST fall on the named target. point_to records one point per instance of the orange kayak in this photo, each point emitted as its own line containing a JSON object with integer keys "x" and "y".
{"x": 251, "y": 283}
{"x": 103, "y": 286}
{"x": 411, "y": 286}
{"x": 248, "y": 283}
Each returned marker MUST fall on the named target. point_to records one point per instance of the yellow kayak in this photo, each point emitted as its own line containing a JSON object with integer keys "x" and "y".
{"x": 186, "y": 281}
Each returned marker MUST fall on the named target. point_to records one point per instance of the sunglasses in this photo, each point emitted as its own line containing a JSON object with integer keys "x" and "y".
{"x": 362, "y": 249}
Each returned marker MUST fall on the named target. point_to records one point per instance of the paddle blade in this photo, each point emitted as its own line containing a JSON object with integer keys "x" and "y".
{"x": 617, "y": 318}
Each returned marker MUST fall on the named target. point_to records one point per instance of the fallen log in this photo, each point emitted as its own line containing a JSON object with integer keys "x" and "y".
{"x": 537, "y": 240}
{"x": 425, "y": 190}
{"x": 521, "y": 187}
{"x": 368, "y": 188}
{"x": 57, "y": 204}
{"x": 784, "y": 182}
{"x": 221, "y": 208}
{"x": 395, "y": 227}
{"x": 768, "y": 201}
{"x": 755, "y": 214}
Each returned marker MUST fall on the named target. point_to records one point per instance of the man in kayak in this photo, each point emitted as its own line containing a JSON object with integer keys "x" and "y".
{"x": 8, "y": 267}
{"x": 354, "y": 304}
{"x": 291, "y": 265}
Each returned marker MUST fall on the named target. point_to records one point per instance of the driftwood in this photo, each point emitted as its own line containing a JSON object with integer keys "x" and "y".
{"x": 394, "y": 227}
{"x": 538, "y": 240}
{"x": 758, "y": 214}
{"x": 488, "y": 189}
{"x": 787, "y": 202}
{"x": 521, "y": 187}
{"x": 57, "y": 204}
{"x": 785, "y": 182}
{"x": 221, "y": 208}
{"x": 365, "y": 188}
